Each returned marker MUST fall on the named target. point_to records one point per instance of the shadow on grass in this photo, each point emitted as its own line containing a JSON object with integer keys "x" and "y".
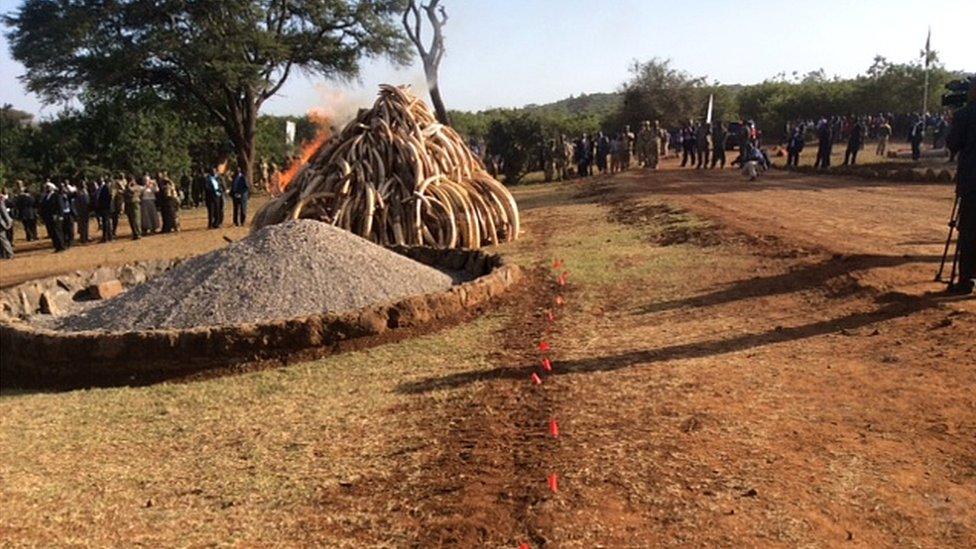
{"x": 891, "y": 306}
{"x": 805, "y": 277}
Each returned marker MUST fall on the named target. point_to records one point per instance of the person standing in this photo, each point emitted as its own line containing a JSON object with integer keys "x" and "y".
{"x": 824, "y": 145}
{"x": 884, "y": 133}
{"x": 665, "y": 141}
{"x": 26, "y": 207}
{"x": 169, "y": 203}
{"x": 67, "y": 213}
{"x": 147, "y": 207}
{"x": 643, "y": 143}
{"x": 582, "y": 150}
{"x": 240, "y": 190}
{"x": 51, "y": 214}
{"x": 854, "y": 142}
{"x": 915, "y": 135}
{"x": 602, "y": 146}
{"x": 6, "y": 227}
{"x": 794, "y": 147}
{"x": 629, "y": 140}
{"x": 215, "y": 200}
{"x": 132, "y": 198}
{"x": 104, "y": 203}
{"x": 688, "y": 143}
{"x": 548, "y": 160}
{"x": 118, "y": 202}
{"x": 720, "y": 137}
{"x": 81, "y": 203}
{"x": 654, "y": 146}
{"x": 962, "y": 141}
{"x": 703, "y": 140}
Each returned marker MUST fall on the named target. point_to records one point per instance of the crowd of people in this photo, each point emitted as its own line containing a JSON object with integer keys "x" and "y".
{"x": 700, "y": 145}
{"x": 703, "y": 145}
{"x": 149, "y": 204}
{"x": 856, "y": 130}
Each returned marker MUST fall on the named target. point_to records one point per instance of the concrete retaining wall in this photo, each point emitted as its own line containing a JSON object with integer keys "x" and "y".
{"x": 32, "y": 356}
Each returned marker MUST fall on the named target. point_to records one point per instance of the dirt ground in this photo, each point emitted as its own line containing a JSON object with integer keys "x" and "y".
{"x": 37, "y": 259}
{"x": 761, "y": 364}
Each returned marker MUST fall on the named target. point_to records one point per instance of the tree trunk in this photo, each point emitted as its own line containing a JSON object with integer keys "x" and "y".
{"x": 435, "y": 97}
{"x": 241, "y": 133}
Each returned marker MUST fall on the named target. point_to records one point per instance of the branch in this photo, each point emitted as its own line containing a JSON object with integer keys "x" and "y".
{"x": 414, "y": 32}
{"x": 437, "y": 23}
{"x": 274, "y": 89}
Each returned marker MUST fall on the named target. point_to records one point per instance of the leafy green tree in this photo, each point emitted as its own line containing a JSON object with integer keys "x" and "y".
{"x": 516, "y": 137}
{"x": 226, "y": 57}
{"x": 656, "y": 91}
{"x": 15, "y": 133}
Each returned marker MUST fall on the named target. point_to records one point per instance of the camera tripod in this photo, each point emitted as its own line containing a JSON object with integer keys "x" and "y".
{"x": 953, "y": 221}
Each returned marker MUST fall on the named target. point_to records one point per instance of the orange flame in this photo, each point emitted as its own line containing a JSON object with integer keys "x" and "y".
{"x": 307, "y": 150}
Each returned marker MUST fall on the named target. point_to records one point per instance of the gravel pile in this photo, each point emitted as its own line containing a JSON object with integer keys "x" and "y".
{"x": 283, "y": 271}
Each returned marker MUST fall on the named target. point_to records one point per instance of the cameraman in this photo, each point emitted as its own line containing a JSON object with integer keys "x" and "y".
{"x": 962, "y": 141}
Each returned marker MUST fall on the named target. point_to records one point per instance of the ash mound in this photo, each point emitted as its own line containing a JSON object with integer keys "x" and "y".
{"x": 283, "y": 271}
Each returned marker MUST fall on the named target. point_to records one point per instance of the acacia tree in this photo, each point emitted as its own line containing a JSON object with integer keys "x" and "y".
{"x": 656, "y": 91}
{"x": 430, "y": 55}
{"x": 226, "y": 57}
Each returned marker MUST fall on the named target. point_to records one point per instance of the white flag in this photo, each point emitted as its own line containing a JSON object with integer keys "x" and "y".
{"x": 289, "y": 133}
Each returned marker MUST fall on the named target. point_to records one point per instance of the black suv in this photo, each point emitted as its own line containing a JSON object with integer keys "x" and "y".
{"x": 734, "y": 136}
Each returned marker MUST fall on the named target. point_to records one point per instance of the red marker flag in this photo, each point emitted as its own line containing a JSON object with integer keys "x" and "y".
{"x": 536, "y": 379}
{"x": 561, "y": 280}
{"x": 523, "y": 545}
{"x": 553, "y": 428}
{"x": 560, "y": 300}
{"x": 546, "y": 365}
{"x": 557, "y": 264}
{"x": 544, "y": 346}
{"x": 553, "y": 483}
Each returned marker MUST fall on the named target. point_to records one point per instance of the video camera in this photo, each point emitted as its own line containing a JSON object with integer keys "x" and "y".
{"x": 958, "y": 91}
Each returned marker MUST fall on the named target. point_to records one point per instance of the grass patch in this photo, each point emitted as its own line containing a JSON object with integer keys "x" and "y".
{"x": 238, "y": 458}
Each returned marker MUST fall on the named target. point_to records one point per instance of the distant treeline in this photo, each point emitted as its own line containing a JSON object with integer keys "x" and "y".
{"x": 657, "y": 91}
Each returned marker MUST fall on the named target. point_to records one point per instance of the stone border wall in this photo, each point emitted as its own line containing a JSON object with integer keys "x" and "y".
{"x": 35, "y": 357}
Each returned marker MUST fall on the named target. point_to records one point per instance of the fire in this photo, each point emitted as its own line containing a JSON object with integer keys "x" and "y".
{"x": 305, "y": 154}
{"x": 307, "y": 149}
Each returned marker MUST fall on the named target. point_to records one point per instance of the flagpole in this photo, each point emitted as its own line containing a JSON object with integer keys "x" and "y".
{"x": 925, "y": 99}
{"x": 925, "y": 96}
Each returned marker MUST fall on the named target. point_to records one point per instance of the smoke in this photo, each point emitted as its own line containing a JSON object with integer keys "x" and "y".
{"x": 337, "y": 107}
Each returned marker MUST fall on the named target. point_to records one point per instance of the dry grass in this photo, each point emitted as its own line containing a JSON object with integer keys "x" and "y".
{"x": 243, "y": 459}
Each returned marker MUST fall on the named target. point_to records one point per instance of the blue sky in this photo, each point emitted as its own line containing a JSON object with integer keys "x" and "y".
{"x": 505, "y": 53}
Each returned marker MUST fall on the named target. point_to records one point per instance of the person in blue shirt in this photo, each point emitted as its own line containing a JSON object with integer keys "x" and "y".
{"x": 239, "y": 192}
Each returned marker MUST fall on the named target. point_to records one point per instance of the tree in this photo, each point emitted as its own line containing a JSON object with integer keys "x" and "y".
{"x": 15, "y": 133}
{"x": 225, "y": 57}
{"x": 658, "y": 92}
{"x": 432, "y": 55}
{"x": 516, "y": 137}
